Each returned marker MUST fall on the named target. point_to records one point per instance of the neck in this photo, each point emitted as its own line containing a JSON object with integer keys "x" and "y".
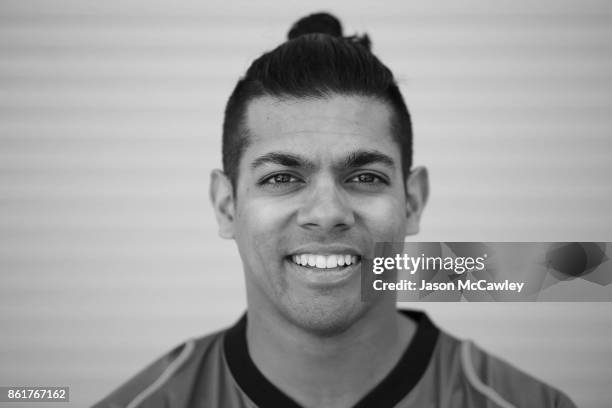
{"x": 333, "y": 370}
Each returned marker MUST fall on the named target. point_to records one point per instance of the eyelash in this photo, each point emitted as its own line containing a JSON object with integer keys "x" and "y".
{"x": 269, "y": 181}
{"x": 377, "y": 179}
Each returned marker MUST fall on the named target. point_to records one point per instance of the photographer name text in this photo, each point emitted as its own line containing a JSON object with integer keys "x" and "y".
{"x": 478, "y": 285}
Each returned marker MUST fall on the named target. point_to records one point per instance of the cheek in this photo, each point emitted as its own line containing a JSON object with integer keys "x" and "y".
{"x": 260, "y": 225}
{"x": 260, "y": 232}
{"x": 261, "y": 215}
{"x": 385, "y": 217}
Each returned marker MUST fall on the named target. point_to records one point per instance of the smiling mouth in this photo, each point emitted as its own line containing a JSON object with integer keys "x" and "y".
{"x": 322, "y": 262}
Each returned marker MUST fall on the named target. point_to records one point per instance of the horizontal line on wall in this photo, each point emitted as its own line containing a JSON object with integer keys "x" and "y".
{"x": 202, "y": 15}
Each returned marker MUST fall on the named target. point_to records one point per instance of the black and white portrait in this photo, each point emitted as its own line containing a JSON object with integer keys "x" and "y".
{"x": 188, "y": 192}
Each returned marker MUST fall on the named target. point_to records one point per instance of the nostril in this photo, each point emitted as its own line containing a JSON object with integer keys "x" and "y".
{"x": 326, "y": 209}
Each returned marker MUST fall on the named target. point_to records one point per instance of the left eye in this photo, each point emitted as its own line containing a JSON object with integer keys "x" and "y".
{"x": 366, "y": 178}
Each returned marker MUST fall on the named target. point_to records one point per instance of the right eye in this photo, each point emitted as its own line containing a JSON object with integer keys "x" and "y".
{"x": 280, "y": 178}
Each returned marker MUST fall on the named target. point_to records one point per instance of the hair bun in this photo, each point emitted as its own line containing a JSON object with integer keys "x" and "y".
{"x": 323, "y": 23}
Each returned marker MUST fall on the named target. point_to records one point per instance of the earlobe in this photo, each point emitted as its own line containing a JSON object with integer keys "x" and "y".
{"x": 417, "y": 193}
{"x": 222, "y": 199}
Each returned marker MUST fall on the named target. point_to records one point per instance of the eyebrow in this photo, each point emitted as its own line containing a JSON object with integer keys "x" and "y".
{"x": 282, "y": 159}
{"x": 355, "y": 159}
{"x": 360, "y": 158}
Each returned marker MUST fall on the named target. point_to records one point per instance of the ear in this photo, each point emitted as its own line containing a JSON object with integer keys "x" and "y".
{"x": 222, "y": 199}
{"x": 417, "y": 192}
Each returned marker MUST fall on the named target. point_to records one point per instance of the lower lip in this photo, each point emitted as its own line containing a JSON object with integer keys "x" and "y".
{"x": 324, "y": 277}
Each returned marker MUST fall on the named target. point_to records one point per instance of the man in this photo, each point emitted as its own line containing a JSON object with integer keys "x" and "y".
{"x": 317, "y": 170}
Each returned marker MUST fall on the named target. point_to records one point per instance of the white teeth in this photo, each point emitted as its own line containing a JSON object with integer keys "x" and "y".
{"x": 331, "y": 262}
{"x": 321, "y": 263}
{"x": 312, "y": 260}
{"x": 324, "y": 261}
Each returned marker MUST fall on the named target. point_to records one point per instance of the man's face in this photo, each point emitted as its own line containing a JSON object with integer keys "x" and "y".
{"x": 319, "y": 184}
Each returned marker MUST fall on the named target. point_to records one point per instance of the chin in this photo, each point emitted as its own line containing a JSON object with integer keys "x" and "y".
{"x": 325, "y": 316}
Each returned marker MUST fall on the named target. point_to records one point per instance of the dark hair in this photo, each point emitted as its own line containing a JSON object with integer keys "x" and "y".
{"x": 315, "y": 62}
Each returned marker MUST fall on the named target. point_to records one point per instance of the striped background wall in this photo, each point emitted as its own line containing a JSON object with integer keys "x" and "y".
{"x": 110, "y": 116}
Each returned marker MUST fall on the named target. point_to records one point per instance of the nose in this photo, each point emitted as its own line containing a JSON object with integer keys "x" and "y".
{"x": 326, "y": 209}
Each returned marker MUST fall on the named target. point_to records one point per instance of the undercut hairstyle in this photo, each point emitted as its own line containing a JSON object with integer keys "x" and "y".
{"x": 316, "y": 62}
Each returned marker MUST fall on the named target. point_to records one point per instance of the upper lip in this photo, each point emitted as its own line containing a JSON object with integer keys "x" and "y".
{"x": 330, "y": 249}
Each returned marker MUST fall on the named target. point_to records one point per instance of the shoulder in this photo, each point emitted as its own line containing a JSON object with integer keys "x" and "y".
{"x": 175, "y": 371}
{"x": 487, "y": 376}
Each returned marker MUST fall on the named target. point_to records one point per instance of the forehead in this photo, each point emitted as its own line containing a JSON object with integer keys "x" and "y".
{"x": 324, "y": 125}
